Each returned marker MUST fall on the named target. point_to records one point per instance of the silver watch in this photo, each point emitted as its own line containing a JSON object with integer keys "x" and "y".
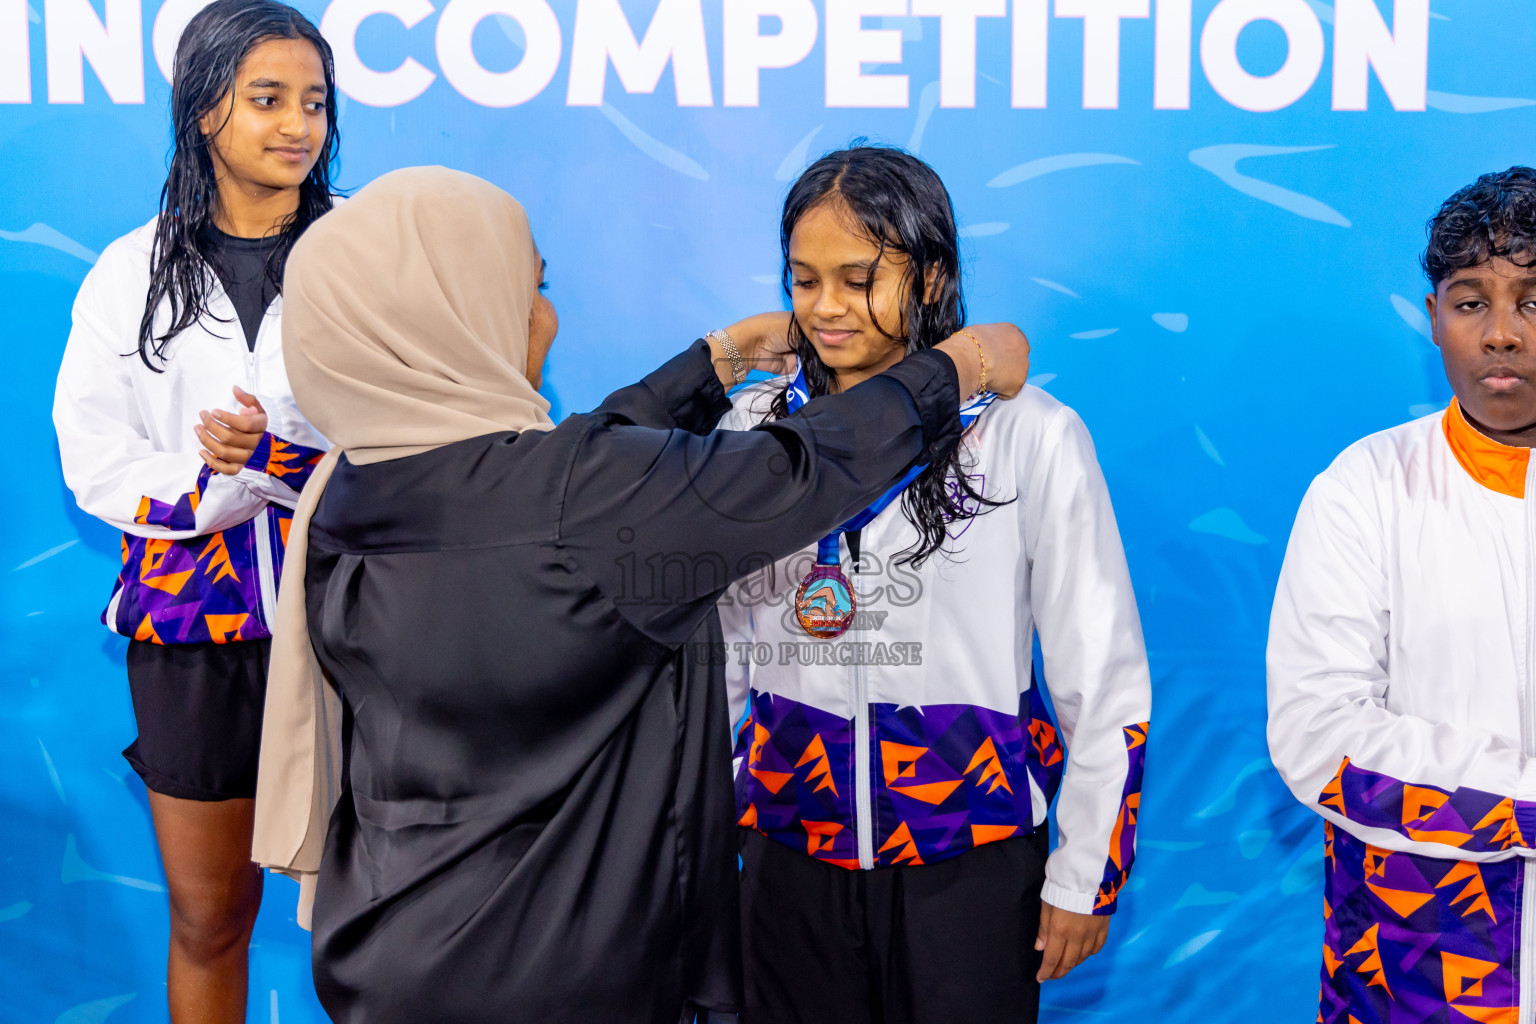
{"x": 738, "y": 366}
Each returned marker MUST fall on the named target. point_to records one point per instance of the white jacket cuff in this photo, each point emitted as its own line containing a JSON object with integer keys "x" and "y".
{"x": 1063, "y": 898}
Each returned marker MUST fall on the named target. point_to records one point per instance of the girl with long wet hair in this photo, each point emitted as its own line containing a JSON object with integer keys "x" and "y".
{"x": 176, "y": 425}
{"x": 897, "y": 757}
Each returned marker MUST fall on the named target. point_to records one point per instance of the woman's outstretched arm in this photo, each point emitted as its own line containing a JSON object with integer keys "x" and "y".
{"x": 681, "y": 395}
{"x": 663, "y": 521}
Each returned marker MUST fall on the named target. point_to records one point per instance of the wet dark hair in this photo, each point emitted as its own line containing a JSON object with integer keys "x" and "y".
{"x": 1493, "y": 217}
{"x": 216, "y": 40}
{"x": 898, "y": 203}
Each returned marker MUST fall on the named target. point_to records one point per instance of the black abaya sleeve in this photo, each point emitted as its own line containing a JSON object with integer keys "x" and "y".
{"x": 683, "y": 394}
{"x": 664, "y": 520}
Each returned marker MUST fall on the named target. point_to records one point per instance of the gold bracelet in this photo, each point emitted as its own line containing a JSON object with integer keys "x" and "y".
{"x": 981, "y": 385}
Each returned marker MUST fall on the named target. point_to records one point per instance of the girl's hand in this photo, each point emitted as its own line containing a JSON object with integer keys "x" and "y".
{"x": 229, "y": 438}
{"x": 1007, "y": 356}
{"x": 1066, "y": 940}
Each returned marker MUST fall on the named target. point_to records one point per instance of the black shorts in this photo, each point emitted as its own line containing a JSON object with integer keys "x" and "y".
{"x": 198, "y": 708}
{"x": 930, "y": 944}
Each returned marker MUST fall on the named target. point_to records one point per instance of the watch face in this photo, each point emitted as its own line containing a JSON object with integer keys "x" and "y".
{"x": 825, "y": 603}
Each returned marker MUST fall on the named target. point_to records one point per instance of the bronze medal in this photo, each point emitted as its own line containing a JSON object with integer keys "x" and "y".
{"x": 825, "y": 602}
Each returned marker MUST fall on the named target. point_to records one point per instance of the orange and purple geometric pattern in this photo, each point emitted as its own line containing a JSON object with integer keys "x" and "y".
{"x": 944, "y": 778}
{"x": 1410, "y": 939}
{"x": 1122, "y": 841}
{"x": 1046, "y": 759}
{"x": 283, "y": 460}
{"x": 180, "y": 516}
{"x": 1468, "y": 819}
{"x": 205, "y": 589}
{"x": 797, "y": 782}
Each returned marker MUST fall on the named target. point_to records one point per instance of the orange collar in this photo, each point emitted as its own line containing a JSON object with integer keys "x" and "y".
{"x": 1498, "y": 467}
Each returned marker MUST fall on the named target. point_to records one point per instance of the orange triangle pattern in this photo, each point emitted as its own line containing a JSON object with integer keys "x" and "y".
{"x": 1503, "y": 815}
{"x": 899, "y": 760}
{"x": 1333, "y": 793}
{"x": 155, "y": 550}
{"x": 278, "y": 458}
{"x": 224, "y": 628}
{"x": 217, "y": 553}
{"x": 819, "y": 834}
{"x": 929, "y": 792}
{"x": 146, "y": 631}
{"x": 981, "y": 834}
{"x": 760, "y": 737}
{"x": 1043, "y": 735}
{"x": 1463, "y": 975}
{"x": 142, "y": 515}
{"x": 1419, "y": 802}
{"x": 1402, "y": 902}
{"x": 1109, "y": 891}
{"x": 821, "y": 767}
{"x": 1126, "y": 819}
{"x": 991, "y": 767}
{"x": 772, "y": 781}
{"x": 1369, "y": 943}
{"x": 1476, "y": 888}
{"x": 1330, "y": 961}
{"x": 902, "y": 838}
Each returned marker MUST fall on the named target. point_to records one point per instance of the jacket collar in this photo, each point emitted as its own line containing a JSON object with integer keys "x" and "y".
{"x": 1498, "y": 467}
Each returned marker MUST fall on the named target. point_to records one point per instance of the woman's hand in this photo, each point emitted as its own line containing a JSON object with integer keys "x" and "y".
{"x": 1007, "y": 356}
{"x": 762, "y": 340}
{"x": 1067, "y": 939}
{"x": 229, "y": 438}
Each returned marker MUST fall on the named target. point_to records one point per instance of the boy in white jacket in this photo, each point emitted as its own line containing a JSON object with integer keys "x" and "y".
{"x": 1402, "y": 656}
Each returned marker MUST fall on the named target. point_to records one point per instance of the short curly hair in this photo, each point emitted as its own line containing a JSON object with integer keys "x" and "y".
{"x": 1493, "y": 217}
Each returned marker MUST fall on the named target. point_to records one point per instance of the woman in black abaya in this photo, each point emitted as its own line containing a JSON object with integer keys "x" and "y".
{"x": 496, "y": 718}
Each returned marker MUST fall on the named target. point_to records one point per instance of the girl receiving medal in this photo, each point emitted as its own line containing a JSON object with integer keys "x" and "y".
{"x": 896, "y": 755}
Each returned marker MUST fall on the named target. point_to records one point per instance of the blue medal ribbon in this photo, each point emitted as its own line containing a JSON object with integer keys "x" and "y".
{"x": 827, "y": 550}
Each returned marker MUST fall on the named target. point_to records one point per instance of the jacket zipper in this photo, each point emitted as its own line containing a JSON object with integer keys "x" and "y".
{"x": 262, "y": 524}
{"x": 862, "y": 781}
{"x": 864, "y": 825}
{"x": 1527, "y": 957}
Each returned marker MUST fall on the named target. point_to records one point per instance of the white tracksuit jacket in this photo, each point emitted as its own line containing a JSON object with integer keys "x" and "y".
{"x": 921, "y": 732}
{"x": 1402, "y": 708}
{"x": 202, "y": 551}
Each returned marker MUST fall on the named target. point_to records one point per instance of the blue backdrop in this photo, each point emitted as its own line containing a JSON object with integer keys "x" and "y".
{"x": 1227, "y": 294}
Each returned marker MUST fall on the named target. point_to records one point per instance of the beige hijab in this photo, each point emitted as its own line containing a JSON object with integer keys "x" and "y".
{"x": 405, "y": 328}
